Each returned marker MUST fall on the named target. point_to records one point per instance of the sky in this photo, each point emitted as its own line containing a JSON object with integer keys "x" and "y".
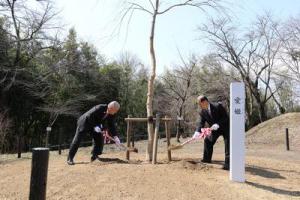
{"x": 96, "y": 21}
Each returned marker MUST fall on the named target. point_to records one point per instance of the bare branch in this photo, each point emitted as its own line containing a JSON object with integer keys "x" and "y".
{"x": 192, "y": 3}
{"x": 135, "y": 6}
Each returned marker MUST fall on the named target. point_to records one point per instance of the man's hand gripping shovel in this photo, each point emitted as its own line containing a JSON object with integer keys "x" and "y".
{"x": 205, "y": 132}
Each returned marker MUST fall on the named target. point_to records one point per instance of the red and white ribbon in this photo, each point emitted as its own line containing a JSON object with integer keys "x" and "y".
{"x": 106, "y": 137}
{"x": 205, "y": 132}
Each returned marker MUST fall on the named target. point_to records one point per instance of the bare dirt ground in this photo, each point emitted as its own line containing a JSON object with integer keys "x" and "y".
{"x": 267, "y": 176}
{"x": 271, "y": 173}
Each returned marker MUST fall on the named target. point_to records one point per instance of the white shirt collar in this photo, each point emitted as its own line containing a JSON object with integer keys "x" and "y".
{"x": 209, "y": 110}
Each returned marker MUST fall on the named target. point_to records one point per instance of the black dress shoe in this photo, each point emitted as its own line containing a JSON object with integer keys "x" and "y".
{"x": 70, "y": 162}
{"x": 93, "y": 158}
{"x": 225, "y": 167}
{"x": 206, "y": 161}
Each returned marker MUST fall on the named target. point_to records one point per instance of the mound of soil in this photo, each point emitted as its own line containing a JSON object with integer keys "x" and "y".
{"x": 272, "y": 132}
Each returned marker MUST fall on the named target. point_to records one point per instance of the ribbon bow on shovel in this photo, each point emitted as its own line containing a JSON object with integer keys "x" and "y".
{"x": 107, "y": 138}
{"x": 205, "y": 132}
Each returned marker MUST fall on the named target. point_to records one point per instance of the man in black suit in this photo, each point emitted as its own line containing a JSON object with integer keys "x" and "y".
{"x": 217, "y": 118}
{"x": 89, "y": 123}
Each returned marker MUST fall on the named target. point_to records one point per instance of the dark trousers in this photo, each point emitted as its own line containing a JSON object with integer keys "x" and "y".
{"x": 81, "y": 130}
{"x": 209, "y": 146}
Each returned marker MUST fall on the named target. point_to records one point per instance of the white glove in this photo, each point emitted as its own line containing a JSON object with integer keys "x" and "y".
{"x": 97, "y": 129}
{"x": 196, "y": 135}
{"x": 215, "y": 127}
{"x": 117, "y": 140}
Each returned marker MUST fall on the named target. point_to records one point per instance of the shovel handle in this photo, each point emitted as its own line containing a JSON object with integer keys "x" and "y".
{"x": 188, "y": 141}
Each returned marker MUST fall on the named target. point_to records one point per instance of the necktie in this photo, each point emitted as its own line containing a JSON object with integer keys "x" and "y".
{"x": 209, "y": 112}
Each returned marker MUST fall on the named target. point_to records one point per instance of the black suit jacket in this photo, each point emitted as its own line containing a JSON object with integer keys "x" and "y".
{"x": 218, "y": 116}
{"x": 96, "y": 116}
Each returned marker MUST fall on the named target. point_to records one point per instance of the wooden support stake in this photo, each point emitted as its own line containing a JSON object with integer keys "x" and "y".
{"x": 145, "y": 119}
{"x": 132, "y": 138}
{"x": 167, "y": 129}
{"x": 154, "y": 155}
{"x": 39, "y": 172}
{"x": 128, "y": 138}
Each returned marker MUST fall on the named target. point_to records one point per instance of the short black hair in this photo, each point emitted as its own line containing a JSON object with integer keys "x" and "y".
{"x": 202, "y": 98}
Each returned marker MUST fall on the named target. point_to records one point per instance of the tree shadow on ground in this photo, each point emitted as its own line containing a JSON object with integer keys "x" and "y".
{"x": 283, "y": 170}
{"x": 188, "y": 163}
{"x": 12, "y": 160}
{"x": 274, "y": 190}
{"x": 113, "y": 160}
{"x": 218, "y": 162}
{"x": 81, "y": 163}
{"x": 116, "y": 161}
{"x": 263, "y": 172}
{"x": 192, "y": 161}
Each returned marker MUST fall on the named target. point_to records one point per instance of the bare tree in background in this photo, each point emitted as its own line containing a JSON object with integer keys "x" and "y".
{"x": 290, "y": 56}
{"x": 154, "y": 8}
{"x": 289, "y": 34}
{"x": 214, "y": 79}
{"x": 286, "y": 93}
{"x": 29, "y": 31}
{"x": 27, "y": 26}
{"x": 178, "y": 83}
{"x": 253, "y": 55}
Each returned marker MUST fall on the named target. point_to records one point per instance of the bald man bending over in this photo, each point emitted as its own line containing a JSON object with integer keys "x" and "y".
{"x": 101, "y": 114}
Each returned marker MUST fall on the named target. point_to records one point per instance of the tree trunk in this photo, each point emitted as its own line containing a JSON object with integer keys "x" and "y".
{"x": 178, "y": 133}
{"x": 179, "y": 128}
{"x": 281, "y": 108}
{"x": 247, "y": 110}
{"x": 151, "y": 88}
{"x": 262, "y": 111}
{"x": 261, "y": 104}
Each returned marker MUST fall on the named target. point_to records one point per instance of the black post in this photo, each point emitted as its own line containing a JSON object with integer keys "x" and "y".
{"x": 39, "y": 171}
{"x": 287, "y": 139}
{"x": 19, "y": 145}
{"x": 47, "y": 139}
{"x": 48, "y": 130}
{"x": 59, "y": 140}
